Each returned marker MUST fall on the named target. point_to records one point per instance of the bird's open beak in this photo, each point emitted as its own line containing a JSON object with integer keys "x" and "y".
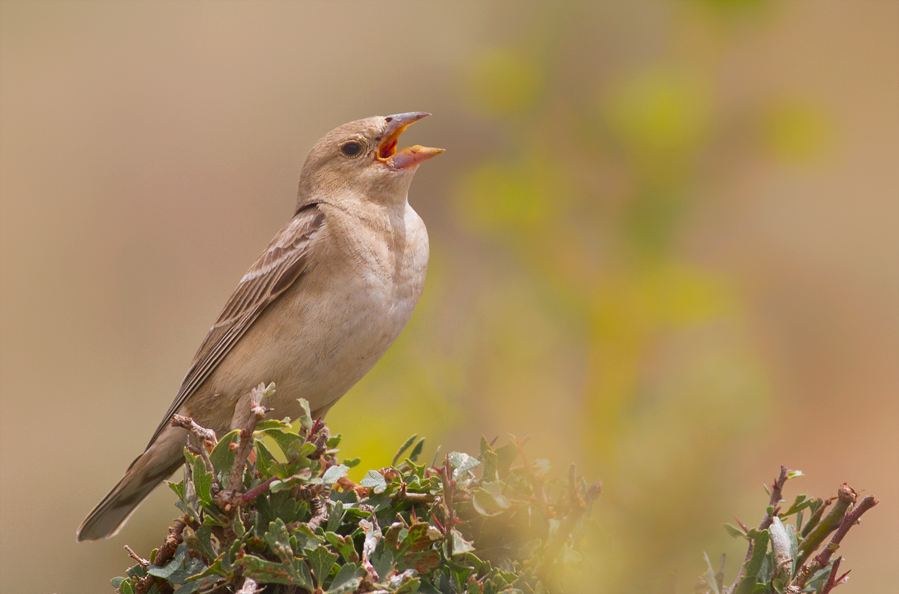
{"x": 406, "y": 157}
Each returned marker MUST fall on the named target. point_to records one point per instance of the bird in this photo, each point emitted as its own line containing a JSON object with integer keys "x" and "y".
{"x": 325, "y": 300}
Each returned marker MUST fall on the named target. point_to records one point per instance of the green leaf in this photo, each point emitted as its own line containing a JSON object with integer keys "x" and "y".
{"x": 406, "y": 445}
{"x": 335, "y": 517}
{"x": 505, "y": 455}
{"x": 462, "y": 462}
{"x": 383, "y": 562}
{"x": 347, "y": 579}
{"x": 278, "y": 540}
{"x": 374, "y": 480}
{"x": 491, "y": 460}
{"x": 222, "y": 457}
{"x": 460, "y": 545}
{"x": 306, "y": 538}
{"x": 195, "y": 585}
{"x": 800, "y": 503}
{"x": 334, "y": 473}
{"x": 287, "y": 442}
{"x": 321, "y": 560}
{"x": 734, "y": 531}
{"x": 202, "y": 479}
{"x": 266, "y": 424}
{"x": 709, "y": 576}
{"x": 416, "y": 451}
{"x": 265, "y": 460}
{"x": 344, "y": 545}
{"x": 488, "y": 500}
{"x": 352, "y": 463}
{"x": 217, "y": 568}
{"x": 305, "y": 417}
{"x": 178, "y": 568}
{"x": 178, "y": 488}
{"x": 291, "y": 570}
{"x": 746, "y": 586}
{"x": 759, "y": 550}
{"x": 294, "y": 572}
{"x": 201, "y": 541}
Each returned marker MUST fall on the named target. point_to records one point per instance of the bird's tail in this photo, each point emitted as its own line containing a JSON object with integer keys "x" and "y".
{"x": 160, "y": 460}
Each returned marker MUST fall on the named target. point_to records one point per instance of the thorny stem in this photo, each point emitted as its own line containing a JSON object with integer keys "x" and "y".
{"x": 832, "y": 580}
{"x": 165, "y": 552}
{"x": 776, "y": 490}
{"x": 845, "y": 497}
{"x": 767, "y": 520}
{"x": 821, "y": 560}
{"x": 231, "y": 498}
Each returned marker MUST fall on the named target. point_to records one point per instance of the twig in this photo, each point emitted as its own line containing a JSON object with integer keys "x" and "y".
{"x": 168, "y": 548}
{"x": 845, "y": 497}
{"x": 140, "y": 560}
{"x": 776, "y": 490}
{"x": 816, "y": 517}
{"x": 404, "y": 495}
{"x": 205, "y": 437}
{"x": 832, "y": 580}
{"x": 719, "y": 577}
{"x": 231, "y": 497}
{"x": 258, "y": 490}
{"x": 257, "y": 413}
{"x": 165, "y": 552}
{"x": 767, "y": 520}
{"x": 821, "y": 560}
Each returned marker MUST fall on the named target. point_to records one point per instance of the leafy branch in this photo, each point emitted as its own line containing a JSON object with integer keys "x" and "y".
{"x": 779, "y": 557}
{"x": 270, "y": 507}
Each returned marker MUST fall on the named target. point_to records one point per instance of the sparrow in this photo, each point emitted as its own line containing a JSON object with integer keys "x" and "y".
{"x": 324, "y": 301}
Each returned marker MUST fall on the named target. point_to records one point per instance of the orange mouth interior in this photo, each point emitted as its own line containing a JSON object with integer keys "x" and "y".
{"x": 388, "y": 148}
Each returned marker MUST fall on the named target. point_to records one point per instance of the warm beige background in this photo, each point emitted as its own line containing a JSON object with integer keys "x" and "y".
{"x": 665, "y": 243}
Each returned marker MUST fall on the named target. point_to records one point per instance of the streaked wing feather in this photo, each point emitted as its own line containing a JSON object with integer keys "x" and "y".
{"x": 276, "y": 269}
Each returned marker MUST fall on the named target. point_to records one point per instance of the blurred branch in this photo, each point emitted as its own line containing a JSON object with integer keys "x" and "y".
{"x": 786, "y": 567}
{"x": 823, "y": 558}
{"x": 580, "y": 504}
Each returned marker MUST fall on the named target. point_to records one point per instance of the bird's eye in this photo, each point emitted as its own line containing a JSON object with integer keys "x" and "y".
{"x": 351, "y": 149}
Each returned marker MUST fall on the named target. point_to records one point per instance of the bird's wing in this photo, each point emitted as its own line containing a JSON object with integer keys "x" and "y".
{"x": 282, "y": 263}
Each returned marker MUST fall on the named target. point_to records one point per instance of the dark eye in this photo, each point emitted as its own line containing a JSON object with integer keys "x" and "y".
{"x": 351, "y": 149}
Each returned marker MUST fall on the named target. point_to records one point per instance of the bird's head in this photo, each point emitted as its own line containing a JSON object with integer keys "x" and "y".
{"x": 361, "y": 159}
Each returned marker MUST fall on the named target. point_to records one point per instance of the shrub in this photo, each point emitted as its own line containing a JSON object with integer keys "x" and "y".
{"x": 270, "y": 509}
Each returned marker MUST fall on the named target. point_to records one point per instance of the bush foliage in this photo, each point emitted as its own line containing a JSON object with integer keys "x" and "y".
{"x": 293, "y": 522}
{"x": 270, "y": 508}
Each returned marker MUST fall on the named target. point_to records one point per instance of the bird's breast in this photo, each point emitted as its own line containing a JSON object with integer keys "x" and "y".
{"x": 344, "y": 311}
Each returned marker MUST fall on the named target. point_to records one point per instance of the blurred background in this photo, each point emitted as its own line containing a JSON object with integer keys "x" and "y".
{"x": 665, "y": 244}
